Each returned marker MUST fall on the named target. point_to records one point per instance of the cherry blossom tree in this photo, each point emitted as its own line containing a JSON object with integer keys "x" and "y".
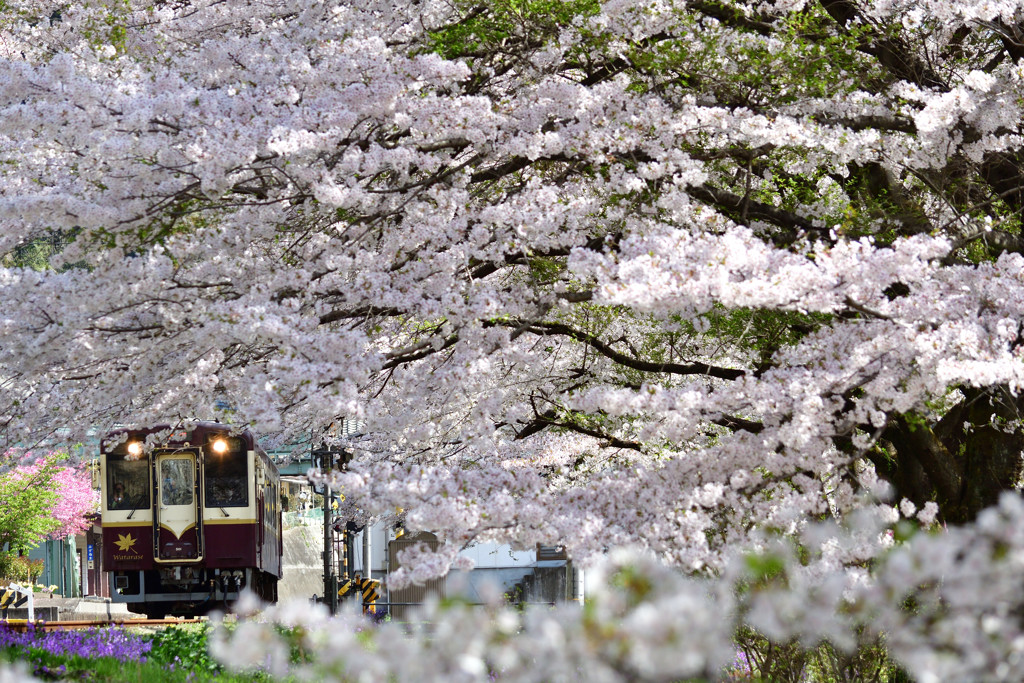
{"x": 684, "y": 275}
{"x": 76, "y": 501}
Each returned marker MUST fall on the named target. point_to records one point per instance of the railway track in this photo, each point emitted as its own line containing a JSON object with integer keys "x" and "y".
{"x": 71, "y": 625}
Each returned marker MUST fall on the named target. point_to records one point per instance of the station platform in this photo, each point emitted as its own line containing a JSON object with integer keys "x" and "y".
{"x": 57, "y": 608}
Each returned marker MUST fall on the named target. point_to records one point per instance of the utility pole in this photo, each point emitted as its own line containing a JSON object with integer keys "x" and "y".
{"x": 330, "y": 580}
{"x": 326, "y": 458}
{"x": 366, "y": 552}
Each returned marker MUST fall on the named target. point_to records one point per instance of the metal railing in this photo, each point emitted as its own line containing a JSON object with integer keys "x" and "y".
{"x": 9, "y": 599}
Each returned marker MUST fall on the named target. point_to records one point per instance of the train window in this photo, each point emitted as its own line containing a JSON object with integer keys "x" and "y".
{"x": 176, "y": 481}
{"x": 127, "y": 483}
{"x": 227, "y": 480}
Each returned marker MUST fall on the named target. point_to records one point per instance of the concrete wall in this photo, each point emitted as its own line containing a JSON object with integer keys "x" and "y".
{"x": 303, "y": 565}
{"x": 545, "y": 585}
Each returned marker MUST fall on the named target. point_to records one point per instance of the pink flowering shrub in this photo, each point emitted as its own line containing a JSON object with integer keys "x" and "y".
{"x": 43, "y": 498}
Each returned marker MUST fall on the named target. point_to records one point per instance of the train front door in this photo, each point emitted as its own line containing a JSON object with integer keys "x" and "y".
{"x": 177, "y": 535}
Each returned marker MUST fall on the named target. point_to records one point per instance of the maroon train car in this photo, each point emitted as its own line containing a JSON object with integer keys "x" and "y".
{"x": 191, "y": 516}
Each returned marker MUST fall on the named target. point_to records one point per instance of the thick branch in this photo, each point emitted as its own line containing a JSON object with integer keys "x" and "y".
{"x": 482, "y": 269}
{"x": 739, "y": 423}
{"x": 733, "y": 203}
{"x": 732, "y": 16}
{"x": 547, "y": 419}
{"x": 549, "y": 329}
{"x": 891, "y": 52}
{"x": 361, "y": 312}
{"x": 416, "y": 352}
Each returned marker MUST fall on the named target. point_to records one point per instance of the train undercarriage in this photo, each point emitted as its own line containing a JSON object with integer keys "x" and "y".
{"x": 187, "y": 590}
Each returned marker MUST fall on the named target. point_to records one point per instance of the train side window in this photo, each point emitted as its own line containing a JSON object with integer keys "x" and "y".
{"x": 127, "y": 483}
{"x": 227, "y": 480}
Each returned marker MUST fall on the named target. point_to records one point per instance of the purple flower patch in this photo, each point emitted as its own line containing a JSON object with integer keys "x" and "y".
{"x": 94, "y": 642}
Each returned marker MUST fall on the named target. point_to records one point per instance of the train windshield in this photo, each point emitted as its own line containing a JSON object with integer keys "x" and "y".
{"x": 227, "y": 479}
{"x": 176, "y": 481}
{"x": 127, "y": 482}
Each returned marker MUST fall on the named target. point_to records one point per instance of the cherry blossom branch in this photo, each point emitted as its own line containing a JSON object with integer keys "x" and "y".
{"x": 545, "y": 329}
{"x": 547, "y": 419}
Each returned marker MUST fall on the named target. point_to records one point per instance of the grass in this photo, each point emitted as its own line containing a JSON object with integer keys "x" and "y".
{"x": 112, "y": 670}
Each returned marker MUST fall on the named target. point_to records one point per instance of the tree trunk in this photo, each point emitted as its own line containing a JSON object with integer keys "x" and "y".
{"x": 964, "y": 461}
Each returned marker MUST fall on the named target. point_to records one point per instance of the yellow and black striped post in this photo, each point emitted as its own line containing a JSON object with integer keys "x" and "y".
{"x": 367, "y": 589}
{"x": 370, "y": 589}
{"x": 11, "y": 598}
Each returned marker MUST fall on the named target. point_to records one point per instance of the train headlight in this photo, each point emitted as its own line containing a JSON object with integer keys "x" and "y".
{"x": 219, "y": 446}
{"x": 135, "y": 449}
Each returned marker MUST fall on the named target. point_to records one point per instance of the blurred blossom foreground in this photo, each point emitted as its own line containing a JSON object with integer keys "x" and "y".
{"x": 644, "y": 621}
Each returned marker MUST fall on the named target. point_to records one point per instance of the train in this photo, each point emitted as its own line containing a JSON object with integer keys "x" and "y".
{"x": 191, "y": 517}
